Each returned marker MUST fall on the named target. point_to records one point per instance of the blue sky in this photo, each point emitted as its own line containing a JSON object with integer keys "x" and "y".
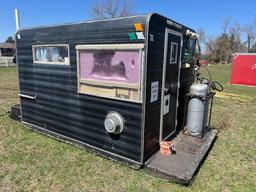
{"x": 208, "y": 15}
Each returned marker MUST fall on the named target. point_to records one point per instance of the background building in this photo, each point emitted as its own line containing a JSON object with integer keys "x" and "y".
{"x": 7, "y": 49}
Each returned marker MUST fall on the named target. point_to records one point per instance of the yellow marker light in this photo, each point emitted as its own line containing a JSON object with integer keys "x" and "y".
{"x": 138, "y": 27}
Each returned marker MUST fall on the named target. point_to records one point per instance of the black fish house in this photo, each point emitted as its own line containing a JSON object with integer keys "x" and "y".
{"x": 116, "y": 86}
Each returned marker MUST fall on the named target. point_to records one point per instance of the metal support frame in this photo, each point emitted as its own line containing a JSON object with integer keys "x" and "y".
{"x": 204, "y": 99}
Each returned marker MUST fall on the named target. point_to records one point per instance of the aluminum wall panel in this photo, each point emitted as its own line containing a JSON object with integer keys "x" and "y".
{"x": 59, "y": 107}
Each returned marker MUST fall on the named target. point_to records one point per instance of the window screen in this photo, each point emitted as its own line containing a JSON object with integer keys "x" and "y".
{"x": 55, "y": 54}
{"x": 173, "y": 53}
{"x": 110, "y": 65}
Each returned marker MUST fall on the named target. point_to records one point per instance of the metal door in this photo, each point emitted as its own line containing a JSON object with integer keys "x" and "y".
{"x": 170, "y": 83}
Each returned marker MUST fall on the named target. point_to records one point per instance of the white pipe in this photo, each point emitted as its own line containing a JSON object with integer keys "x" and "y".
{"x": 17, "y": 19}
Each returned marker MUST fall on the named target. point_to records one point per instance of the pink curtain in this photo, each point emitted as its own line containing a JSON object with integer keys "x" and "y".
{"x": 118, "y": 66}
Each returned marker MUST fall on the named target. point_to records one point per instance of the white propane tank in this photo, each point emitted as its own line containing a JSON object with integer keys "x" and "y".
{"x": 196, "y": 109}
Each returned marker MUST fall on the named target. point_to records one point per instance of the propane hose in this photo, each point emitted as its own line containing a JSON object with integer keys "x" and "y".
{"x": 215, "y": 85}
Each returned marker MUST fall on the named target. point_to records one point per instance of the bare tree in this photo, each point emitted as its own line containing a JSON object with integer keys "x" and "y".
{"x": 201, "y": 34}
{"x": 211, "y": 49}
{"x": 253, "y": 48}
{"x": 210, "y": 45}
{"x": 234, "y": 38}
{"x": 235, "y": 32}
{"x": 201, "y": 39}
{"x": 225, "y": 25}
{"x": 249, "y": 31}
{"x": 103, "y": 9}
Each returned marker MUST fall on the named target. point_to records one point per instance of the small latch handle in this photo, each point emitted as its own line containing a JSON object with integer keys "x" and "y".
{"x": 27, "y": 96}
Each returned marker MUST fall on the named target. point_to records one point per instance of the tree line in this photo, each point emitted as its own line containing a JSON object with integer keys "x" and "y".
{"x": 234, "y": 38}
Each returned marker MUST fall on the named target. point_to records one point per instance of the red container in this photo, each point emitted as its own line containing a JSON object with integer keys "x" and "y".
{"x": 243, "y": 69}
{"x": 165, "y": 148}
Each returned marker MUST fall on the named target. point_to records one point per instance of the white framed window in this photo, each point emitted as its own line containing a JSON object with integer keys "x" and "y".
{"x": 51, "y": 54}
{"x": 110, "y": 70}
{"x": 174, "y": 53}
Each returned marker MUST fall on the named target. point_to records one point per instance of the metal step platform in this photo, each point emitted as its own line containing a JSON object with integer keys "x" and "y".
{"x": 183, "y": 165}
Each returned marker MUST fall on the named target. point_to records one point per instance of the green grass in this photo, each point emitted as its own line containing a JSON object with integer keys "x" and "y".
{"x": 30, "y": 161}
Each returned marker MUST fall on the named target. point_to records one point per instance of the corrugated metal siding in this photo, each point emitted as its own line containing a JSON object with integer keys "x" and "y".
{"x": 58, "y": 106}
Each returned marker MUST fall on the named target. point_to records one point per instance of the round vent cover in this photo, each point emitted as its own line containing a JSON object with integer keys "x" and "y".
{"x": 114, "y": 123}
